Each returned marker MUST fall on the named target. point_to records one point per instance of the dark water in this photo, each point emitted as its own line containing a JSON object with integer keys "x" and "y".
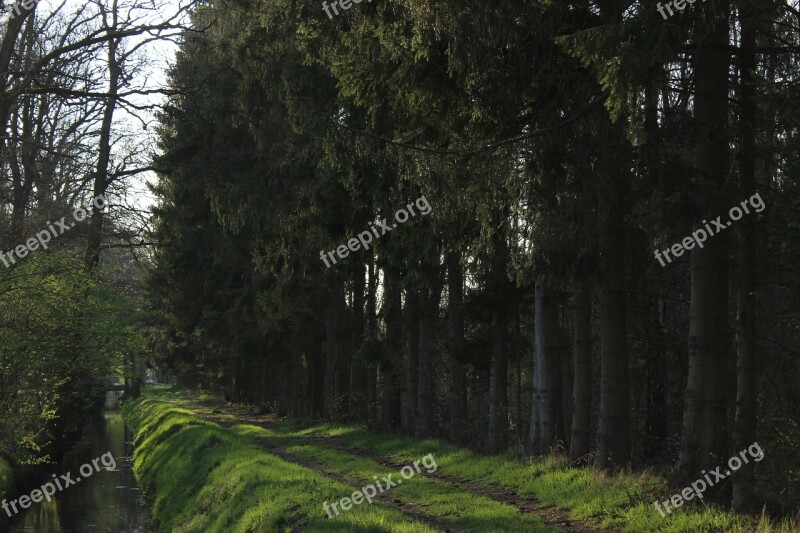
{"x": 108, "y": 501}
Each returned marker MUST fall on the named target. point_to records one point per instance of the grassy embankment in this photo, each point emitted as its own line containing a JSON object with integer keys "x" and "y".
{"x": 204, "y": 478}
{"x": 622, "y": 501}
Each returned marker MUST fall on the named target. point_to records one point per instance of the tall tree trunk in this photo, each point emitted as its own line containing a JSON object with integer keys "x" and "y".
{"x": 704, "y": 437}
{"x": 746, "y": 370}
{"x": 458, "y": 373}
{"x": 7, "y": 92}
{"x": 101, "y": 178}
{"x": 333, "y": 407}
{"x": 412, "y": 372}
{"x": 391, "y": 368}
{"x": 429, "y": 314}
{"x": 546, "y": 413}
{"x": 655, "y": 424}
{"x": 498, "y": 373}
{"x": 613, "y": 438}
{"x": 372, "y": 332}
{"x": 359, "y": 380}
{"x": 580, "y": 443}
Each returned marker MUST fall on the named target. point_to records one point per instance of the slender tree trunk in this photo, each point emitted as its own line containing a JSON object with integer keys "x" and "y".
{"x": 746, "y": 370}
{"x": 412, "y": 373}
{"x": 704, "y": 437}
{"x": 332, "y": 392}
{"x": 101, "y": 178}
{"x": 458, "y": 374}
{"x": 580, "y": 443}
{"x": 546, "y": 412}
{"x": 655, "y": 425}
{"x": 372, "y": 332}
{"x": 498, "y": 367}
{"x": 427, "y": 337}
{"x": 359, "y": 380}
{"x": 391, "y": 369}
{"x": 613, "y": 438}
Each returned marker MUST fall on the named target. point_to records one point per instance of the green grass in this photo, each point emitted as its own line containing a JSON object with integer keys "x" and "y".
{"x": 203, "y": 478}
{"x": 459, "y": 508}
{"x": 622, "y": 501}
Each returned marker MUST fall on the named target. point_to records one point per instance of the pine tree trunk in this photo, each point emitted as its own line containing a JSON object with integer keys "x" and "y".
{"x": 655, "y": 425}
{"x": 359, "y": 380}
{"x": 498, "y": 369}
{"x": 391, "y": 369}
{"x": 335, "y": 382}
{"x": 546, "y": 410}
{"x": 746, "y": 371}
{"x": 412, "y": 371}
{"x": 613, "y": 438}
{"x": 372, "y": 332}
{"x": 580, "y": 443}
{"x": 704, "y": 437}
{"x": 458, "y": 374}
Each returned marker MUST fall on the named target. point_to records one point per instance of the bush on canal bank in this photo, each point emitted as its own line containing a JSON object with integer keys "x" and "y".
{"x": 6, "y": 477}
{"x": 6, "y": 484}
{"x": 201, "y": 477}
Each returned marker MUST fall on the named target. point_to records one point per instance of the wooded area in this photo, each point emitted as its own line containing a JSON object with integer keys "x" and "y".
{"x": 547, "y": 289}
{"x": 559, "y": 145}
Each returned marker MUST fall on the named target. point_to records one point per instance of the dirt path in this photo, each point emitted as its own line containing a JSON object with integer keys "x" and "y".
{"x": 551, "y": 516}
{"x": 406, "y": 508}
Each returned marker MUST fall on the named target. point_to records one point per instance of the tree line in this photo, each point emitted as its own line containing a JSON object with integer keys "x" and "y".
{"x": 559, "y": 145}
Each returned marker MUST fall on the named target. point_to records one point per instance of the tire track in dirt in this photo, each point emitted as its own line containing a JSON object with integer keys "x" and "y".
{"x": 273, "y": 448}
{"x": 552, "y": 517}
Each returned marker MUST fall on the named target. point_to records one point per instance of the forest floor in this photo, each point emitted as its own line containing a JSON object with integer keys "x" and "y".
{"x": 463, "y": 492}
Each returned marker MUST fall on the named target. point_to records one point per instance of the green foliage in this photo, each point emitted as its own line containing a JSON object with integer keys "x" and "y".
{"x": 61, "y": 334}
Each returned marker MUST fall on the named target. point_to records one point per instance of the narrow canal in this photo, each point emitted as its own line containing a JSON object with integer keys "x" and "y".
{"x": 108, "y": 501}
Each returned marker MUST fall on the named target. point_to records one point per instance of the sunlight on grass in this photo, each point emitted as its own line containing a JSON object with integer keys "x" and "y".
{"x": 460, "y": 508}
{"x": 203, "y": 478}
{"x": 622, "y": 501}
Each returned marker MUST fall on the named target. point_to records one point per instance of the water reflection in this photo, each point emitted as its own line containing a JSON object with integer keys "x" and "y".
{"x": 108, "y": 501}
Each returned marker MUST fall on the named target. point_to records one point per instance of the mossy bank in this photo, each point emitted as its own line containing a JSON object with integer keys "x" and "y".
{"x": 201, "y": 477}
